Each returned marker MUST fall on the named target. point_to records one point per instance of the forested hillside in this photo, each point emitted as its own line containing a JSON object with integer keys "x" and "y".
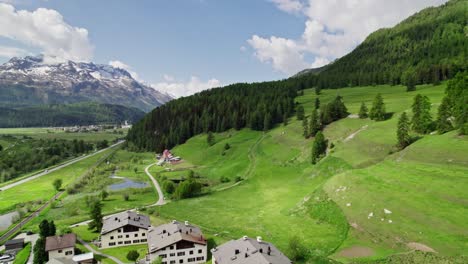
{"x": 428, "y": 47}
{"x": 258, "y": 106}
{"x": 68, "y": 115}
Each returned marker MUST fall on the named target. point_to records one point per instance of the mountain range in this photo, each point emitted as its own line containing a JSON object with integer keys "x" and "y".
{"x": 30, "y": 81}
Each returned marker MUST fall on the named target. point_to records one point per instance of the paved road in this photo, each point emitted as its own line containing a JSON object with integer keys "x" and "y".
{"x": 6, "y": 187}
{"x": 86, "y": 245}
{"x": 161, "y": 200}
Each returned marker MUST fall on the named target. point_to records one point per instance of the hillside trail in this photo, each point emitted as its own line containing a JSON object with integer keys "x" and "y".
{"x": 355, "y": 133}
{"x": 252, "y": 164}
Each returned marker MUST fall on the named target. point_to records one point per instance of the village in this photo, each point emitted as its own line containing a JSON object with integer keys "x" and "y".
{"x": 175, "y": 242}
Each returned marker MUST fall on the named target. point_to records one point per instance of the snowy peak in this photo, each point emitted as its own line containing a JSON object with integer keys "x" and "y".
{"x": 77, "y": 82}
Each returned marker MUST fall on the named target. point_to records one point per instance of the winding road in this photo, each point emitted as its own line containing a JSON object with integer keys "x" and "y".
{"x": 45, "y": 172}
{"x": 161, "y": 200}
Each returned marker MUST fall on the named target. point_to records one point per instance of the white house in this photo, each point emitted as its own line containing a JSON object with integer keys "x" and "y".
{"x": 62, "y": 246}
{"x": 248, "y": 251}
{"x": 177, "y": 242}
{"x": 124, "y": 229}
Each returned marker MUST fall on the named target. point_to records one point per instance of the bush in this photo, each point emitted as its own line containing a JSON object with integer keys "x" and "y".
{"x": 133, "y": 255}
{"x": 238, "y": 179}
{"x": 224, "y": 179}
{"x": 297, "y": 250}
{"x": 126, "y": 196}
{"x": 169, "y": 187}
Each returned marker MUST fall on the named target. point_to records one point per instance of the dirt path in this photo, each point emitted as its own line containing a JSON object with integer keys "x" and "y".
{"x": 355, "y": 133}
{"x": 356, "y": 252}
{"x": 161, "y": 200}
{"x": 419, "y": 247}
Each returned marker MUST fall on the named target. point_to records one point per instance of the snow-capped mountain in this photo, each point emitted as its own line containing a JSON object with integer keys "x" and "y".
{"x": 31, "y": 81}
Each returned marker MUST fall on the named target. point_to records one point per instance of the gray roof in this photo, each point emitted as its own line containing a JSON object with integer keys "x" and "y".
{"x": 115, "y": 221}
{"x": 61, "y": 261}
{"x": 249, "y": 251}
{"x": 168, "y": 234}
{"x": 60, "y": 242}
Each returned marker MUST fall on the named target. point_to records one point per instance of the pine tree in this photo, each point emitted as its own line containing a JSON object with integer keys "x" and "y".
{"x": 95, "y": 213}
{"x": 443, "y": 119}
{"x": 319, "y": 147}
{"x": 410, "y": 83}
{"x": 305, "y": 126}
{"x": 422, "y": 119}
{"x": 377, "y": 111}
{"x": 300, "y": 112}
{"x": 314, "y": 125}
{"x": 318, "y": 90}
{"x": 317, "y": 103}
{"x": 363, "y": 111}
{"x": 267, "y": 122}
{"x": 457, "y": 93}
{"x": 285, "y": 119}
{"x": 403, "y": 136}
{"x": 52, "y": 228}
{"x": 210, "y": 139}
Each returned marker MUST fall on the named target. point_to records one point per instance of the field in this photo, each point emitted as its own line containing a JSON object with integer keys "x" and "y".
{"x": 283, "y": 195}
{"x": 51, "y": 133}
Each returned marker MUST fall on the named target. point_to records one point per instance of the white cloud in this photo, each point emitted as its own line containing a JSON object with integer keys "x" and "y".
{"x": 289, "y": 6}
{"x": 283, "y": 54}
{"x": 9, "y": 52}
{"x": 45, "y": 29}
{"x": 181, "y": 88}
{"x": 333, "y": 28}
{"x": 123, "y": 66}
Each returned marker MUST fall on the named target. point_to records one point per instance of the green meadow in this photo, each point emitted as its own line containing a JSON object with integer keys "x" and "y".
{"x": 51, "y": 133}
{"x": 283, "y": 195}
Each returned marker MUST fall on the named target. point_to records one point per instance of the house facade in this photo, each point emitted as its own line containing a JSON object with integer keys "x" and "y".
{"x": 124, "y": 229}
{"x": 177, "y": 243}
{"x": 62, "y": 246}
{"x": 248, "y": 251}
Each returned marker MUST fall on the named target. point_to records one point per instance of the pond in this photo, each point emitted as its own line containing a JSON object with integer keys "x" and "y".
{"x": 127, "y": 183}
{"x": 7, "y": 219}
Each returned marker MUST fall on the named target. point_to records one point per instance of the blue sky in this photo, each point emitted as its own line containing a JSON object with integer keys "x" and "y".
{"x": 224, "y": 41}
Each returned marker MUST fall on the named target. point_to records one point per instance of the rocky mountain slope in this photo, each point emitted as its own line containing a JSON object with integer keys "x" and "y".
{"x": 31, "y": 81}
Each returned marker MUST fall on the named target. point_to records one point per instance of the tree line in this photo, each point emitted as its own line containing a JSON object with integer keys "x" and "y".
{"x": 258, "y": 106}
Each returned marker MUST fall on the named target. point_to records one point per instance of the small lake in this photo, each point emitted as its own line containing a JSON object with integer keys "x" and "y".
{"x": 127, "y": 183}
{"x": 7, "y": 219}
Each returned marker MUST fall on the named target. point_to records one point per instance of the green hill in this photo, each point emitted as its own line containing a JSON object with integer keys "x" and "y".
{"x": 327, "y": 205}
{"x": 68, "y": 115}
{"x": 428, "y": 47}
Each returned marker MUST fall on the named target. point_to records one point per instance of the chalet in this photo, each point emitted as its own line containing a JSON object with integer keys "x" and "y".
{"x": 177, "y": 242}
{"x": 124, "y": 229}
{"x": 248, "y": 251}
{"x": 62, "y": 246}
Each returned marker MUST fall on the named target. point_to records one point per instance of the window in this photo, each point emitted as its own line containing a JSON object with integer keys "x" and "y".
{"x": 200, "y": 251}
{"x": 136, "y": 241}
{"x": 69, "y": 253}
{"x": 60, "y": 251}
{"x": 191, "y": 252}
{"x": 143, "y": 234}
{"x": 120, "y": 242}
{"x": 172, "y": 254}
{"x": 136, "y": 235}
{"x": 163, "y": 255}
{"x": 172, "y": 262}
{"x": 181, "y": 261}
{"x": 120, "y": 236}
{"x": 119, "y": 230}
{"x": 171, "y": 247}
{"x": 111, "y": 244}
{"x": 200, "y": 258}
{"x": 127, "y": 236}
{"x": 112, "y": 237}
{"x": 143, "y": 240}
{"x": 127, "y": 242}
{"x": 180, "y": 253}
{"x": 191, "y": 260}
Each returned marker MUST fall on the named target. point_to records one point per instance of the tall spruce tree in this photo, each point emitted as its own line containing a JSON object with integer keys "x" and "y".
{"x": 363, "y": 111}
{"x": 457, "y": 94}
{"x": 95, "y": 213}
{"x": 443, "y": 118}
{"x": 314, "y": 124}
{"x": 319, "y": 148}
{"x": 377, "y": 111}
{"x": 403, "y": 136}
{"x": 422, "y": 120}
{"x": 305, "y": 126}
{"x": 300, "y": 112}
{"x": 317, "y": 103}
{"x": 210, "y": 139}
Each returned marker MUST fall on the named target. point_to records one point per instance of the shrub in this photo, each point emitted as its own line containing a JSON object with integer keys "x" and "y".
{"x": 297, "y": 250}
{"x": 126, "y": 196}
{"x": 132, "y": 255}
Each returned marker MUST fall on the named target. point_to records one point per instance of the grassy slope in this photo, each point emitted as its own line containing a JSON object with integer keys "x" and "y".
{"x": 283, "y": 195}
